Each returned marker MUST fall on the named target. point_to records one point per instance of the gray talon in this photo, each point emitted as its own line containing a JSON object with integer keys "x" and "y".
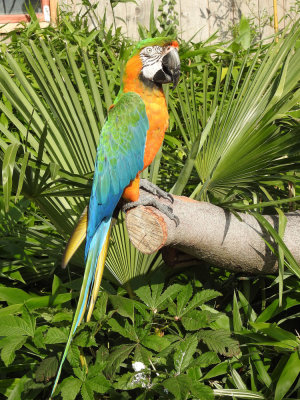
{"x": 150, "y": 201}
{"x": 176, "y": 220}
{"x": 170, "y": 198}
{"x": 151, "y": 188}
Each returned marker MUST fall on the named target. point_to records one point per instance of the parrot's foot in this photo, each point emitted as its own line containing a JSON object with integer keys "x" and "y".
{"x": 151, "y": 188}
{"x": 150, "y": 201}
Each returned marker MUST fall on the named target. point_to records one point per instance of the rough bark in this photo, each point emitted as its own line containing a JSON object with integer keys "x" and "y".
{"x": 211, "y": 234}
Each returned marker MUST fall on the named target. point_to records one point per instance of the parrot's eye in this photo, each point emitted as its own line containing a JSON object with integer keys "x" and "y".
{"x": 148, "y": 51}
{"x": 151, "y": 51}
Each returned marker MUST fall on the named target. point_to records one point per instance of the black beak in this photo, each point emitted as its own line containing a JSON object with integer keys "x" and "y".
{"x": 171, "y": 66}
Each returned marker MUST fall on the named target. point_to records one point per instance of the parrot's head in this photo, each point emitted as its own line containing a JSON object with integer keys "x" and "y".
{"x": 155, "y": 61}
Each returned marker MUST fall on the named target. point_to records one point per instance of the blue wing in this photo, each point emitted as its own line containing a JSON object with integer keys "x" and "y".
{"x": 120, "y": 156}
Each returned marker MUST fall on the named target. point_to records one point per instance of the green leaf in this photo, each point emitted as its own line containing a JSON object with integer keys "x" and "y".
{"x": 86, "y": 391}
{"x": 141, "y": 354}
{"x": 292, "y": 263}
{"x": 7, "y": 171}
{"x": 127, "y": 331}
{"x": 9, "y": 346}
{"x": 275, "y": 332}
{"x": 238, "y": 381}
{"x": 273, "y": 309}
{"x": 221, "y": 369}
{"x": 219, "y": 341}
{"x": 69, "y": 388}
{"x": 18, "y": 389}
{"x": 56, "y": 283}
{"x": 73, "y": 356}
{"x": 195, "y": 320}
{"x": 116, "y": 357}
{"x": 152, "y": 19}
{"x": 250, "y": 313}
{"x": 201, "y": 391}
{"x": 179, "y": 386}
{"x": 184, "y": 355}
{"x": 260, "y": 366}
{"x": 13, "y": 295}
{"x": 22, "y": 174}
{"x": 169, "y": 292}
{"x": 56, "y": 335}
{"x": 207, "y": 359}
{"x": 46, "y": 301}
{"x": 10, "y": 310}
{"x": 195, "y": 149}
{"x": 237, "y": 321}
{"x": 46, "y": 369}
{"x": 244, "y": 30}
{"x": 39, "y": 339}
{"x": 239, "y": 394}
{"x": 80, "y": 373}
{"x": 85, "y": 339}
{"x": 99, "y": 384}
{"x": 29, "y": 319}
{"x": 63, "y": 316}
{"x": 13, "y": 326}
{"x": 144, "y": 293}
{"x": 124, "y": 307}
{"x": 154, "y": 342}
{"x": 7, "y": 385}
{"x": 156, "y": 285}
{"x": 101, "y": 305}
{"x": 153, "y": 296}
{"x": 201, "y": 297}
{"x": 288, "y": 376}
{"x": 183, "y": 297}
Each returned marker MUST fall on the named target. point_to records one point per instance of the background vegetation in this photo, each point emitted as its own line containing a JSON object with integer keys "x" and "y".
{"x": 233, "y": 140}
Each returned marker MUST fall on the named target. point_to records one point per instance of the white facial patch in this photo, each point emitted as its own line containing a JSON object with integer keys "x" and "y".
{"x": 151, "y": 59}
{"x": 150, "y": 71}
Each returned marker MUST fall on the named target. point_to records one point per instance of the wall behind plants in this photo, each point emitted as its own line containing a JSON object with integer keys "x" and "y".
{"x": 195, "y": 18}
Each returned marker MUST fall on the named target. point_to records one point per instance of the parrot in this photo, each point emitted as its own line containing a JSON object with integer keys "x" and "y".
{"x": 130, "y": 138}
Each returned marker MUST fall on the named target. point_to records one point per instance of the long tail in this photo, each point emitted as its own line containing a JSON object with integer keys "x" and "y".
{"x": 91, "y": 281}
{"x": 76, "y": 238}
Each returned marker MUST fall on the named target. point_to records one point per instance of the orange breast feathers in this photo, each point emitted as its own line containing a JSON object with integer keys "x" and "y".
{"x": 158, "y": 117}
{"x": 157, "y": 113}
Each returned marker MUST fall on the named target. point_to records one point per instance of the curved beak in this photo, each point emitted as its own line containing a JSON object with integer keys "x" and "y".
{"x": 171, "y": 66}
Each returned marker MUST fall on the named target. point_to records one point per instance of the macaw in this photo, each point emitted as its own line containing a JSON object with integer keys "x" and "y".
{"x": 130, "y": 138}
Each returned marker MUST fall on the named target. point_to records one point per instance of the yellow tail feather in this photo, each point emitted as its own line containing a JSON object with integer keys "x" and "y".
{"x": 76, "y": 238}
{"x": 98, "y": 275}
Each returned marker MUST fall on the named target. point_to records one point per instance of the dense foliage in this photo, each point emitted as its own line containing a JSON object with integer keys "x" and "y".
{"x": 155, "y": 333}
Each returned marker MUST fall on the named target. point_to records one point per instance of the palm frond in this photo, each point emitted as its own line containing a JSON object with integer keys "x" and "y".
{"x": 245, "y": 143}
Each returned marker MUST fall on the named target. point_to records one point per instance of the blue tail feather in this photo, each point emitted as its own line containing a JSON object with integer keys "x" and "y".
{"x": 94, "y": 251}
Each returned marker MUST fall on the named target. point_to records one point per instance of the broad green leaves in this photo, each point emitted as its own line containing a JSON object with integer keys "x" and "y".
{"x": 15, "y": 326}
{"x": 14, "y": 332}
{"x": 46, "y": 370}
{"x": 9, "y": 346}
{"x": 154, "y": 296}
{"x": 184, "y": 355}
{"x": 156, "y": 343}
{"x": 70, "y": 387}
{"x": 180, "y": 386}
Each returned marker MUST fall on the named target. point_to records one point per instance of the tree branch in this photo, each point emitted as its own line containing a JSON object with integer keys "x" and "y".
{"x": 211, "y": 234}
